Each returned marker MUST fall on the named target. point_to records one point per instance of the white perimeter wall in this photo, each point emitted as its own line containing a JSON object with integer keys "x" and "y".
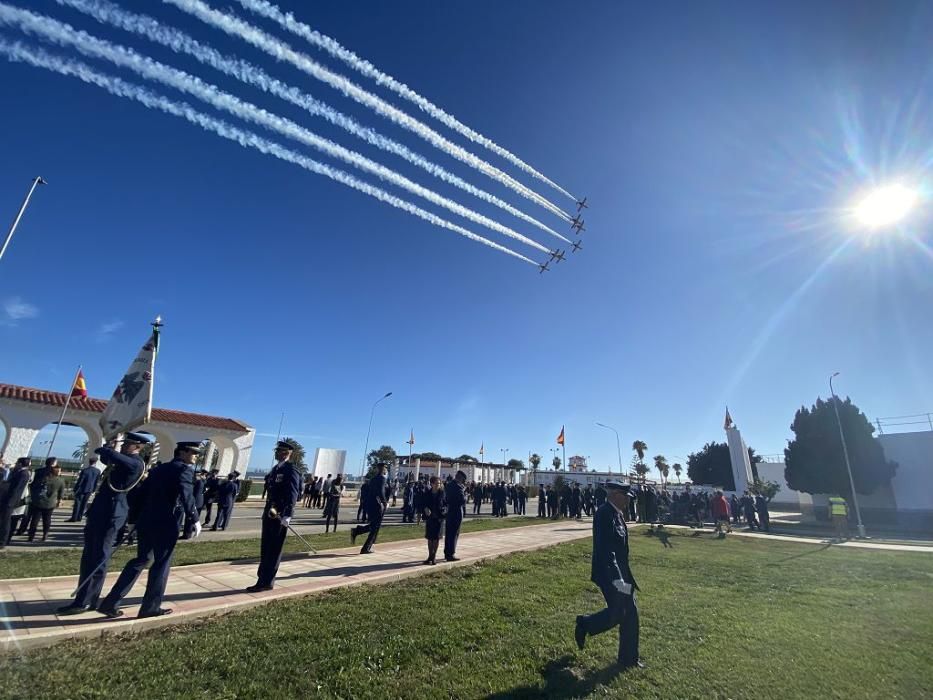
{"x": 913, "y": 480}
{"x": 329, "y": 461}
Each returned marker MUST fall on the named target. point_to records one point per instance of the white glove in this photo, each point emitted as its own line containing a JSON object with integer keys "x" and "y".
{"x": 623, "y": 587}
{"x": 286, "y": 520}
{"x": 197, "y": 528}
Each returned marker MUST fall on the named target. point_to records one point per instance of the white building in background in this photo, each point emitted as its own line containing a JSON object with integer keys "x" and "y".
{"x": 576, "y": 463}
{"x": 329, "y": 461}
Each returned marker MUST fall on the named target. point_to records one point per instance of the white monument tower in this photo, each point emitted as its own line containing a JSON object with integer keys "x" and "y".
{"x": 738, "y": 455}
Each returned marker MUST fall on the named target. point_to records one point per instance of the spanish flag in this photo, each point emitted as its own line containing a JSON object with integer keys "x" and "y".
{"x": 728, "y": 422}
{"x": 481, "y": 449}
{"x": 411, "y": 439}
{"x": 560, "y": 438}
{"x": 79, "y": 390}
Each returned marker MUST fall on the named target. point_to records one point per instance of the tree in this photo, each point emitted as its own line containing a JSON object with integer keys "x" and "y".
{"x": 712, "y": 466}
{"x": 638, "y": 461}
{"x": 516, "y": 464}
{"x": 81, "y": 451}
{"x": 202, "y": 453}
{"x": 534, "y": 461}
{"x": 424, "y": 455}
{"x": 814, "y": 459}
{"x": 768, "y": 489}
{"x": 660, "y": 463}
{"x": 383, "y": 454}
{"x": 298, "y": 454}
{"x": 559, "y": 483}
{"x": 466, "y": 458}
{"x": 678, "y": 468}
{"x": 556, "y": 462}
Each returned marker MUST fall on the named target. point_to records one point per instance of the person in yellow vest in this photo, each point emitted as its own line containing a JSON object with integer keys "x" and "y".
{"x": 839, "y": 514}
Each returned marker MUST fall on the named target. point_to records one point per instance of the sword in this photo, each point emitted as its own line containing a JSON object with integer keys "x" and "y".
{"x": 274, "y": 514}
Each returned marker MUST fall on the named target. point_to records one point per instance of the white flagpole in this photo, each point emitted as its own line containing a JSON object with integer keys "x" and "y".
{"x": 9, "y": 236}
{"x": 62, "y": 416}
{"x": 278, "y": 436}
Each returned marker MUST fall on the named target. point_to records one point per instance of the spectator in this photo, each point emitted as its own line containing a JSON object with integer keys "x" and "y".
{"x": 45, "y": 494}
{"x": 12, "y": 503}
{"x": 721, "y": 513}
{"x": 764, "y": 517}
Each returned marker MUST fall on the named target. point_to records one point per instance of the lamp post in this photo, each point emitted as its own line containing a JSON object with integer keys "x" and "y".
{"x": 366, "y": 448}
{"x": 35, "y": 182}
{"x": 504, "y": 451}
{"x": 845, "y": 453}
{"x": 618, "y": 444}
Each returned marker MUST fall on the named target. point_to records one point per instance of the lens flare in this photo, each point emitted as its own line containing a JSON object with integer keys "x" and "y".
{"x": 886, "y": 206}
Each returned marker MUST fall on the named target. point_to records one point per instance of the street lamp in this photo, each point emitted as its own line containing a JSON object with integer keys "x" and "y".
{"x": 618, "y": 444}
{"x": 366, "y": 448}
{"x": 845, "y": 452}
{"x": 503, "y": 450}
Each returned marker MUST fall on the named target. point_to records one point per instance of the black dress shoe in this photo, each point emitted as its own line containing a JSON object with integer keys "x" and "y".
{"x": 451, "y": 558}
{"x": 579, "y": 633}
{"x": 352, "y": 535}
{"x": 366, "y": 551}
{"x": 256, "y": 588}
{"x": 155, "y": 613}
{"x": 110, "y": 613}
{"x": 637, "y": 664}
{"x": 72, "y": 609}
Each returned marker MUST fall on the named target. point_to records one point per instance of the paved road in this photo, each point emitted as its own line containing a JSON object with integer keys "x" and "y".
{"x": 27, "y": 606}
{"x": 243, "y": 523}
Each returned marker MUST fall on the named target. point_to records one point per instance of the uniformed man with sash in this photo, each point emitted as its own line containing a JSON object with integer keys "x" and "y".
{"x": 283, "y": 488}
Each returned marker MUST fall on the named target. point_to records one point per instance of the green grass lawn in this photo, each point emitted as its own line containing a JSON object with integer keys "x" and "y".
{"x": 738, "y": 618}
{"x": 64, "y": 562}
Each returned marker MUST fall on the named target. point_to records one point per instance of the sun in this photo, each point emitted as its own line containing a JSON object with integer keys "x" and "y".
{"x": 886, "y": 206}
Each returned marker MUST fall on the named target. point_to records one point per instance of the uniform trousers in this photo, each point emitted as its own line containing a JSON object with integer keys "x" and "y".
{"x": 154, "y": 552}
{"x": 620, "y": 610}
{"x": 451, "y": 534}
{"x": 99, "y": 540}
{"x": 374, "y": 515}
{"x": 270, "y": 550}
{"x": 223, "y": 516}
{"x": 80, "y": 504}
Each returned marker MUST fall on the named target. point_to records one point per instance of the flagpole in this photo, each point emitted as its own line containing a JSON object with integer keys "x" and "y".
{"x": 62, "y": 416}
{"x": 278, "y": 436}
{"x": 19, "y": 215}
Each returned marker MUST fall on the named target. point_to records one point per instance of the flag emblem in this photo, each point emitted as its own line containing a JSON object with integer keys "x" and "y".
{"x": 560, "y": 438}
{"x": 79, "y": 390}
{"x": 728, "y": 423}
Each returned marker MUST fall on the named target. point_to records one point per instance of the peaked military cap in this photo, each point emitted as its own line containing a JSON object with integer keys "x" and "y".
{"x": 619, "y": 486}
{"x": 282, "y": 445}
{"x": 191, "y": 445}
{"x": 136, "y": 439}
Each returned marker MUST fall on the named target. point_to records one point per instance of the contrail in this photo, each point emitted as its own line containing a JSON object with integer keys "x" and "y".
{"x": 16, "y": 51}
{"x": 66, "y": 35}
{"x": 252, "y": 75}
{"x": 288, "y": 22}
{"x": 283, "y": 52}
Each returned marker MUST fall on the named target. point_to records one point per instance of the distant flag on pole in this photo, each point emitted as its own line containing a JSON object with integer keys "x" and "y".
{"x": 131, "y": 403}
{"x": 728, "y": 424}
{"x": 411, "y": 439}
{"x": 560, "y": 438}
{"x": 481, "y": 450}
{"x": 79, "y": 390}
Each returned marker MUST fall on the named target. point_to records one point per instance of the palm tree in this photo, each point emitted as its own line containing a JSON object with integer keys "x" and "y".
{"x": 677, "y": 467}
{"x": 81, "y": 451}
{"x": 638, "y": 463}
{"x": 660, "y": 463}
{"x": 556, "y": 462}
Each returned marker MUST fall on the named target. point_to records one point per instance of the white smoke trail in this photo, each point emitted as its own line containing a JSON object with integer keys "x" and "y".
{"x": 287, "y": 21}
{"x": 283, "y": 52}
{"x": 246, "y": 72}
{"x": 16, "y": 51}
{"x": 66, "y": 35}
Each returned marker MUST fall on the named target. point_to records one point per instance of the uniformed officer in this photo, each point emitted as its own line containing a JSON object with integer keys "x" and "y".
{"x": 455, "y": 495}
{"x": 226, "y": 495}
{"x": 374, "y": 506}
{"x": 197, "y": 491}
{"x": 283, "y": 488}
{"x": 83, "y": 488}
{"x": 610, "y": 571}
{"x": 105, "y": 517}
{"x": 167, "y": 498}
{"x": 210, "y": 493}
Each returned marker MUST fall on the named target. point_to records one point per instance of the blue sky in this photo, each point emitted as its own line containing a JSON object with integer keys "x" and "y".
{"x": 719, "y": 145}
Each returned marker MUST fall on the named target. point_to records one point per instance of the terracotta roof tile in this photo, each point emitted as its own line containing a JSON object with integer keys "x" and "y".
{"x": 54, "y": 398}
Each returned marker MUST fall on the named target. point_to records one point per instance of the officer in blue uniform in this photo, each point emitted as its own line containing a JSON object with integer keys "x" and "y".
{"x": 197, "y": 490}
{"x": 283, "y": 488}
{"x": 83, "y": 488}
{"x": 226, "y": 495}
{"x": 610, "y": 571}
{"x": 167, "y": 496}
{"x": 455, "y": 494}
{"x": 105, "y": 517}
{"x": 374, "y": 505}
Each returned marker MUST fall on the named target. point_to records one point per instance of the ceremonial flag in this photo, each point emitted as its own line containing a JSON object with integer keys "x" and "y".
{"x": 728, "y": 424}
{"x": 560, "y": 438}
{"x": 131, "y": 403}
{"x": 411, "y": 439}
{"x": 79, "y": 389}
{"x": 481, "y": 449}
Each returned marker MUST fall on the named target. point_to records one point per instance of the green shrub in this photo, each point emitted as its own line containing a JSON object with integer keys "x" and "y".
{"x": 245, "y": 486}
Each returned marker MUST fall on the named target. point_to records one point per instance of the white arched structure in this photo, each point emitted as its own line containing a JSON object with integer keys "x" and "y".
{"x": 24, "y": 411}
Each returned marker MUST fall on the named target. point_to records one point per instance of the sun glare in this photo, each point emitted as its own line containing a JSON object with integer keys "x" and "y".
{"x": 885, "y": 206}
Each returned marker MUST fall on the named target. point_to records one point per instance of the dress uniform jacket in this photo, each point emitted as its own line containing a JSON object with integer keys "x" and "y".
{"x": 283, "y": 489}
{"x": 610, "y": 548}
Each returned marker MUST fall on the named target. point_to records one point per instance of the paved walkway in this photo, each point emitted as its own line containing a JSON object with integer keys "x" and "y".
{"x": 799, "y": 539}
{"x": 27, "y": 606}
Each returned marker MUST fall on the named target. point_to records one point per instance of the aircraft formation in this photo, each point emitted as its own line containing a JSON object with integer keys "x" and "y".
{"x": 576, "y": 225}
